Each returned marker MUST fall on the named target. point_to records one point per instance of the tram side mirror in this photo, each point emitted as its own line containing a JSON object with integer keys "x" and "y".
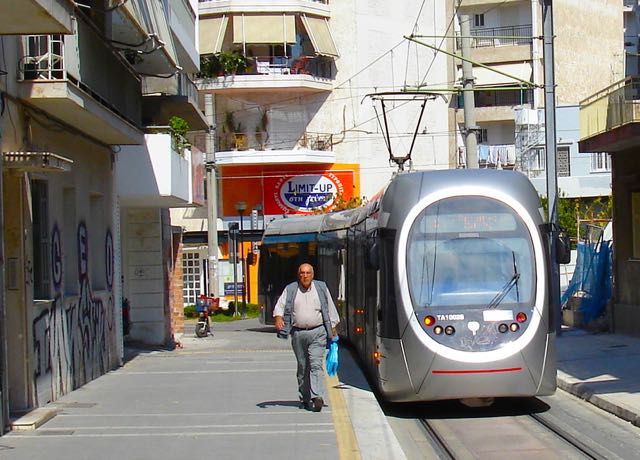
{"x": 563, "y": 248}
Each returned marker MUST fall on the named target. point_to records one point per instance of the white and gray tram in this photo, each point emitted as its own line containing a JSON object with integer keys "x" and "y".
{"x": 442, "y": 280}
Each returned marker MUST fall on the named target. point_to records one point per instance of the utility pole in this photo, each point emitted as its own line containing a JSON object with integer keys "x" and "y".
{"x": 212, "y": 196}
{"x": 551, "y": 147}
{"x": 471, "y": 130}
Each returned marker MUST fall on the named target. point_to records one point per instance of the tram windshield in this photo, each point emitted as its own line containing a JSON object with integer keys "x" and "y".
{"x": 470, "y": 252}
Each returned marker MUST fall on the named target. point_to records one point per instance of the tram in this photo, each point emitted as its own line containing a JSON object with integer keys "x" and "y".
{"x": 442, "y": 281}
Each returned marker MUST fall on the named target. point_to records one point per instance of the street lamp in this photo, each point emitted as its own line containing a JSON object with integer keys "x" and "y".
{"x": 241, "y": 207}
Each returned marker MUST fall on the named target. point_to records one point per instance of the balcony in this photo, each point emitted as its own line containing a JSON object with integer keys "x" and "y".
{"x": 182, "y": 21}
{"x": 164, "y": 172}
{"x": 496, "y": 105}
{"x": 317, "y": 7}
{"x": 272, "y": 74}
{"x": 81, "y": 81}
{"x": 27, "y": 17}
{"x": 492, "y": 156}
{"x": 610, "y": 119}
{"x": 278, "y": 51}
{"x": 500, "y": 44}
{"x": 269, "y": 148}
{"x": 140, "y": 28}
{"x": 167, "y": 97}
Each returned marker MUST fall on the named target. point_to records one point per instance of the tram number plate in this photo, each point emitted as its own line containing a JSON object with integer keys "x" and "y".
{"x": 497, "y": 315}
{"x": 451, "y": 317}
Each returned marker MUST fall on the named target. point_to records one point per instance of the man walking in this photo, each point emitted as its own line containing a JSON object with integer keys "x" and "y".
{"x": 306, "y": 311}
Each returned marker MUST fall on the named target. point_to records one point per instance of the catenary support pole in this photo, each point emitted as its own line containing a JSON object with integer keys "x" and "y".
{"x": 212, "y": 197}
{"x": 550, "y": 148}
{"x": 471, "y": 130}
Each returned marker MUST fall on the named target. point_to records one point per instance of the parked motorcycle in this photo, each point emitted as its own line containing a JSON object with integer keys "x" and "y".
{"x": 205, "y": 306}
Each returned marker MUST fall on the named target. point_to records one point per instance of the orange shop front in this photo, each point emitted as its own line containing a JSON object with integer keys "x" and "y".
{"x": 272, "y": 191}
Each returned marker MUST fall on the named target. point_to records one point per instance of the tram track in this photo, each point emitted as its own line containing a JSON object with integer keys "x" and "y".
{"x": 594, "y": 452}
{"x": 444, "y": 438}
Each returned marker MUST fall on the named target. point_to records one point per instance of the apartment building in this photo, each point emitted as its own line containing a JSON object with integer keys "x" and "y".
{"x": 288, "y": 87}
{"x": 78, "y": 105}
{"x": 506, "y": 36}
{"x": 165, "y": 171}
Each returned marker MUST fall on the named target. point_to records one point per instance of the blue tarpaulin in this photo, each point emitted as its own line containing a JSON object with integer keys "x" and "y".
{"x": 591, "y": 280}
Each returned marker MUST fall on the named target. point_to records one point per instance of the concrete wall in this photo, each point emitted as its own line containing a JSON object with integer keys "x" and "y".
{"x": 67, "y": 337}
{"x": 143, "y": 271}
{"x": 626, "y": 296}
{"x": 582, "y": 70}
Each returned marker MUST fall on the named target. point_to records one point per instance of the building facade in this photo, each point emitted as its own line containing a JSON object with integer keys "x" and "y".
{"x": 76, "y": 105}
{"x": 293, "y": 91}
{"x": 509, "y": 110}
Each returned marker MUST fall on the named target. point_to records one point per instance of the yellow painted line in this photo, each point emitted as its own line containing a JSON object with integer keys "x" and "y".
{"x": 348, "y": 448}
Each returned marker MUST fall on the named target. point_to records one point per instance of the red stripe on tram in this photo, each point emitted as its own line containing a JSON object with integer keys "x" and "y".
{"x": 478, "y": 371}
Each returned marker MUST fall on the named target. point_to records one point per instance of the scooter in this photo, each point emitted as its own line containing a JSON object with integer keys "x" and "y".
{"x": 202, "y": 326}
{"x": 205, "y": 306}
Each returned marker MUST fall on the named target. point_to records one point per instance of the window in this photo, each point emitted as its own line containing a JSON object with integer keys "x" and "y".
{"x": 563, "y": 165}
{"x": 600, "y": 162}
{"x": 478, "y": 20}
{"x": 483, "y": 135}
{"x": 40, "y": 237}
{"x": 191, "y": 277}
{"x": 537, "y": 161}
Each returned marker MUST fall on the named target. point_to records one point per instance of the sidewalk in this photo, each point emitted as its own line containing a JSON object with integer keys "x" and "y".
{"x": 234, "y": 396}
{"x": 603, "y": 369}
{"x": 230, "y": 396}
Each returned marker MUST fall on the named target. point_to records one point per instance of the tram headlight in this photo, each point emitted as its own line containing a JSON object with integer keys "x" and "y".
{"x": 521, "y": 317}
{"x": 449, "y": 330}
{"x": 429, "y": 321}
{"x": 503, "y": 328}
{"x": 438, "y": 330}
{"x": 515, "y": 327}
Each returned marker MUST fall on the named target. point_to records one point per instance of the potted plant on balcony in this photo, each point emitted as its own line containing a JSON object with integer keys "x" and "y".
{"x": 232, "y": 61}
{"x": 179, "y": 128}
{"x": 210, "y": 66}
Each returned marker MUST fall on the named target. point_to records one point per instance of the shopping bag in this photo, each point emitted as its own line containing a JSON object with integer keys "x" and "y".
{"x": 332, "y": 358}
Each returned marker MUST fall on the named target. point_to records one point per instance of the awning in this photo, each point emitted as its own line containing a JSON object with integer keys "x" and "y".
{"x": 264, "y": 28}
{"x": 320, "y": 34}
{"x": 36, "y": 161}
{"x": 486, "y": 77}
{"x": 212, "y": 30}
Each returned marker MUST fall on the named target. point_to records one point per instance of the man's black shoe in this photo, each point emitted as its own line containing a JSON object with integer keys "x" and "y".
{"x": 304, "y": 405}
{"x": 317, "y": 404}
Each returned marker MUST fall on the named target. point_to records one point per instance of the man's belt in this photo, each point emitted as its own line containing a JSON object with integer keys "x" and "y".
{"x": 307, "y": 328}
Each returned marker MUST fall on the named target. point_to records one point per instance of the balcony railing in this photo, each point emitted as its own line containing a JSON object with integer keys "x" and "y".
{"x": 86, "y": 61}
{"x": 498, "y": 36}
{"x": 262, "y": 141}
{"x": 610, "y": 108}
{"x": 324, "y": 2}
{"x": 316, "y": 66}
{"x": 177, "y": 85}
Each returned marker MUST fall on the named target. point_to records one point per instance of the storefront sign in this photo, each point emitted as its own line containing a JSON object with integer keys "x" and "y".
{"x": 307, "y": 193}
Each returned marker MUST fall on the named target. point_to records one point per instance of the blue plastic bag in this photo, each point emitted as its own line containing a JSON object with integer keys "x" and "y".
{"x": 332, "y": 358}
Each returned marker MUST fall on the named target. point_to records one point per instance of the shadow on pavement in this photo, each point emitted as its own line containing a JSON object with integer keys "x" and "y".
{"x": 265, "y": 404}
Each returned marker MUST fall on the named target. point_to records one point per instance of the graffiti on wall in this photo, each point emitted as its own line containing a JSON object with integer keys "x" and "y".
{"x": 74, "y": 339}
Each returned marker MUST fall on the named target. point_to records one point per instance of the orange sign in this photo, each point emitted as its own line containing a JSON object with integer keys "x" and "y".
{"x": 288, "y": 189}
